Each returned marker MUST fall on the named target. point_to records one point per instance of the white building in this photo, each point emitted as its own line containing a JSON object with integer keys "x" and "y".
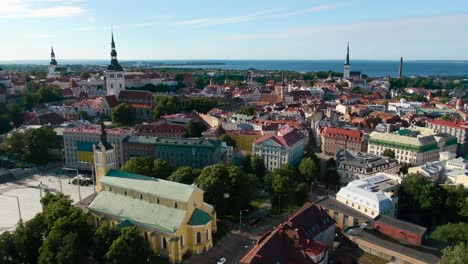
{"x": 414, "y": 146}
{"x": 372, "y": 196}
{"x": 448, "y": 168}
{"x": 277, "y": 150}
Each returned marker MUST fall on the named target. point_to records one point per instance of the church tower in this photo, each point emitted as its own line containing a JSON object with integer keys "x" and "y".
{"x": 53, "y": 65}
{"x": 104, "y": 157}
{"x": 347, "y": 66}
{"x": 115, "y": 80}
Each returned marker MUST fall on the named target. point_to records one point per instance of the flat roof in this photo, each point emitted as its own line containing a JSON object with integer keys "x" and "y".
{"x": 332, "y": 204}
{"x": 422, "y": 254}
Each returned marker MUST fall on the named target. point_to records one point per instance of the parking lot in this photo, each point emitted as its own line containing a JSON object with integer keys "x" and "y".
{"x": 29, "y": 191}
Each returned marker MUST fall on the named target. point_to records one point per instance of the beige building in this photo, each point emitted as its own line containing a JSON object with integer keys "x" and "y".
{"x": 172, "y": 217}
{"x": 414, "y": 146}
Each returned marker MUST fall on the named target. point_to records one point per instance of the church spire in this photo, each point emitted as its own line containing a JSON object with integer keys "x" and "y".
{"x": 347, "y": 55}
{"x": 114, "y": 66}
{"x": 103, "y": 144}
{"x": 52, "y": 56}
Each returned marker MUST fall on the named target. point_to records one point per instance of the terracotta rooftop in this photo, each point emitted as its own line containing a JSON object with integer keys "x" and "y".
{"x": 340, "y": 133}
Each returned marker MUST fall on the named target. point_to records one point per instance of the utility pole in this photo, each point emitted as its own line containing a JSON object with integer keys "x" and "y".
{"x": 240, "y": 219}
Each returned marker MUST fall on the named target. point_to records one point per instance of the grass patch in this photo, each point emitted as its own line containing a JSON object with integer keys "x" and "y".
{"x": 259, "y": 202}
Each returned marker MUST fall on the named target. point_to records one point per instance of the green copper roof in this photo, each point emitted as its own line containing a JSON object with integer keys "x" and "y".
{"x": 149, "y": 185}
{"x": 125, "y": 223}
{"x": 199, "y": 217}
{"x": 138, "y": 212}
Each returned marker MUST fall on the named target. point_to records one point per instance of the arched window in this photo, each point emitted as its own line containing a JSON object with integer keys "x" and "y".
{"x": 125, "y": 192}
{"x": 181, "y": 241}
{"x": 163, "y": 243}
{"x": 207, "y": 235}
{"x": 198, "y": 238}
{"x": 110, "y": 188}
{"x": 98, "y": 222}
{"x": 141, "y": 196}
{"x": 146, "y": 237}
{"x": 157, "y": 200}
{"x": 175, "y": 205}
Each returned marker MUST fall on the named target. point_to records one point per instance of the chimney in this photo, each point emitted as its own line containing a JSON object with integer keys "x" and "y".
{"x": 400, "y": 70}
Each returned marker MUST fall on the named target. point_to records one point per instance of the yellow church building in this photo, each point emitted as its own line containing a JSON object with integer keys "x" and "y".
{"x": 172, "y": 217}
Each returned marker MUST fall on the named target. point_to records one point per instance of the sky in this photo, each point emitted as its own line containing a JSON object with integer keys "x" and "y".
{"x": 234, "y": 29}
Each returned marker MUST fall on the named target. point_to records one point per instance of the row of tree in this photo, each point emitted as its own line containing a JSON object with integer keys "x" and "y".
{"x": 166, "y": 105}
{"x": 429, "y": 204}
{"x": 62, "y": 235}
{"x": 41, "y": 94}
{"x": 32, "y": 145}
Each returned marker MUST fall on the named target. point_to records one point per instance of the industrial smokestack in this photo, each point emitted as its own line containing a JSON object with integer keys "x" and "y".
{"x": 400, "y": 70}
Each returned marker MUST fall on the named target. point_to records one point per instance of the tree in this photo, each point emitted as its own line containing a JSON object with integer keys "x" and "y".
{"x": 5, "y": 125}
{"x": 162, "y": 169}
{"x": 38, "y": 143}
{"x": 258, "y": 167}
{"x": 143, "y": 165}
{"x": 308, "y": 169}
{"x": 462, "y": 205}
{"x": 104, "y": 236}
{"x": 412, "y": 186}
{"x": 129, "y": 248}
{"x": 15, "y": 114}
{"x": 389, "y": 153}
{"x": 247, "y": 110}
{"x": 184, "y": 174}
{"x": 212, "y": 181}
{"x": 29, "y": 237}
{"x": 194, "y": 129}
{"x": 455, "y": 255}
{"x": 123, "y": 114}
{"x": 83, "y": 115}
{"x": 229, "y": 140}
{"x": 281, "y": 183}
{"x": 452, "y": 233}
{"x": 8, "y": 250}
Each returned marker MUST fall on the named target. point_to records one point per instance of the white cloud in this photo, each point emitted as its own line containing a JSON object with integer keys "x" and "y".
{"x": 313, "y": 9}
{"x": 210, "y": 21}
{"x": 14, "y": 9}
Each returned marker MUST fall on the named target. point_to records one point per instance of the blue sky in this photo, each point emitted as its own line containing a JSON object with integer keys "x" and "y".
{"x": 240, "y": 29}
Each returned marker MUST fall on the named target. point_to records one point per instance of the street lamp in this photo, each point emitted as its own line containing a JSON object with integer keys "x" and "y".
{"x": 240, "y": 219}
{"x": 17, "y": 200}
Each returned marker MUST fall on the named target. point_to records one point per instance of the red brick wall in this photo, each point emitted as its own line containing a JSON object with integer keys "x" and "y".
{"x": 398, "y": 233}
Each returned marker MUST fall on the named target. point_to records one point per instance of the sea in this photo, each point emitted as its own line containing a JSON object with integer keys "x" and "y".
{"x": 372, "y": 68}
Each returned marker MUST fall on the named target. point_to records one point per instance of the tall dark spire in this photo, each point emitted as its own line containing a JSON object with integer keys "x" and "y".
{"x": 103, "y": 143}
{"x": 52, "y": 56}
{"x": 114, "y": 66}
{"x": 347, "y": 55}
{"x": 400, "y": 69}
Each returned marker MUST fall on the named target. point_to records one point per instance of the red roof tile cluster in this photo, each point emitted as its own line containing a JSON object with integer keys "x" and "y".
{"x": 293, "y": 240}
{"x": 286, "y": 140}
{"x": 111, "y": 100}
{"x": 341, "y": 133}
{"x": 135, "y": 95}
{"x": 460, "y": 125}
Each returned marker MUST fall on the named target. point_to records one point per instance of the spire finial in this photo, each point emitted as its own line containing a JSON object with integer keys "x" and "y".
{"x": 347, "y": 55}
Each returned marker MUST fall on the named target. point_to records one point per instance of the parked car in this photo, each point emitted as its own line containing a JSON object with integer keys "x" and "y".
{"x": 221, "y": 261}
{"x": 82, "y": 180}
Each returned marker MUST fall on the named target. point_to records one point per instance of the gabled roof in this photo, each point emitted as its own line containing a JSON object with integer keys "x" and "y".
{"x": 149, "y": 185}
{"x": 137, "y": 211}
{"x": 111, "y": 100}
{"x": 286, "y": 140}
{"x": 135, "y": 95}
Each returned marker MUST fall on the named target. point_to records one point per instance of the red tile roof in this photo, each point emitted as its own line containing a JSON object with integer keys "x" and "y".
{"x": 111, "y": 100}
{"x": 460, "y": 125}
{"x": 340, "y": 133}
{"x": 288, "y": 139}
{"x": 293, "y": 240}
{"x": 135, "y": 95}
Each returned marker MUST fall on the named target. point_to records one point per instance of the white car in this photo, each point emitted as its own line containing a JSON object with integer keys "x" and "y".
{"x": 221, "y": 261}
